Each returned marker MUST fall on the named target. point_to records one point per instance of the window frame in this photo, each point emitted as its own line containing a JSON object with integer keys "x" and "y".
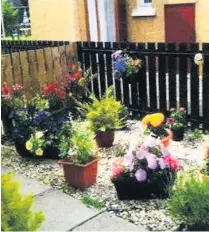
{"x": 143, "y": 3}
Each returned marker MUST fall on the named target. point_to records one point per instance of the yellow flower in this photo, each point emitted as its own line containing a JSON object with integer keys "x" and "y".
{"x": 39, "y": 134}
{"x": 29, "y": 145}
{"x": 156, "y": 119}
{"x": 146, "y": 120}
{"x": 39, "y": 152}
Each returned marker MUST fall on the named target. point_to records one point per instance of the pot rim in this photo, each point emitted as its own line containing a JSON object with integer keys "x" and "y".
{"x": 78, "y": 165}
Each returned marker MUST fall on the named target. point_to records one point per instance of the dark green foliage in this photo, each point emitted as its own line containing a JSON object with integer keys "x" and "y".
{"x": 16, "y": 213}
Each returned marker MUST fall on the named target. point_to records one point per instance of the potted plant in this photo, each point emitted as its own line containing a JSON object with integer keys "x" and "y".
{"x": 125, "y": 66}
{"x": 148, "y": 171}
{"x": 176, "y": 123}
{"x": 104, "y": 117}
{"x": 189, "y": 202}
{"x": 79, "y": 160}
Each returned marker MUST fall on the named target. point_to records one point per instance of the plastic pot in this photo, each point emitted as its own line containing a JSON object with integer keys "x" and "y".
{"x": 104, "y": 139}
{"x": 178, "y": 133}
{"x": 80, "y": 176}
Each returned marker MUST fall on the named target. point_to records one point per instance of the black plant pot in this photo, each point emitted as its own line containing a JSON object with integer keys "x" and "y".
{"x": 184, "y": 227}
{"x": 6, "y": 120}
{"x": 178, "y": 133}
{"x": 128, "y": 188}
{"x": 49, "y": 152}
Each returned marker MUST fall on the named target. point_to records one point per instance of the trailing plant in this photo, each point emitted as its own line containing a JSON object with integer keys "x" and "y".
{"x": 104, "y": 114}
{"x": 125, "y": 65}
{"x": 16, "y": 213}
{"x": 194, "y": 135}
{"x": 89, "y": 201}
{"x": 189, "y": 202}
{"x": 177, "y": 118}
{"x": 79, "y": 148}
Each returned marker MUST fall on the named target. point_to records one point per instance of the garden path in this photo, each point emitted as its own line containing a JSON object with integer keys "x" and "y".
{"x": 65, "y": 213}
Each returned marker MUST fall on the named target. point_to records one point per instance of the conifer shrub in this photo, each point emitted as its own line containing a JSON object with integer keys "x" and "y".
{"x": 16, "y": 213}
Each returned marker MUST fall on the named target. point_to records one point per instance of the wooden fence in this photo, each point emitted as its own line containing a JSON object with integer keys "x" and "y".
{"x": 36, "y": 68}
{"x": 168, "y": 78}
{"x": 9, "y": 46}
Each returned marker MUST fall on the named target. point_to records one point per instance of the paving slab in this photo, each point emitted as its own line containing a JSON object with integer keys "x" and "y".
{"x": 62, "y": 211}
{"x": 108, "y": 222}
{"x": 27, "y": 186}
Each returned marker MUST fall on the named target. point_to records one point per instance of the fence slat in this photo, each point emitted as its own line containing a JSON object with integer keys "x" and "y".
{"x": 35, "y": 85}
{"x": 16, "y": 68}
{"x": 194, "y": 86}
{"x": 25, "y": 73}
{"x": 152, "y": 78}
{"x": 162, "y": 77}
{"x": 206, "y": 87}
{"x": 56, "y": 64}
{"x": 101, "y": 67}
{"x": 49, "y": 65}
{"x": 172, "y": 75}
{"x": 183, "y": 75}
{"x": 41, "y": 67}
{"x": 109, "y": 65}
{"x": 7, "y": 67}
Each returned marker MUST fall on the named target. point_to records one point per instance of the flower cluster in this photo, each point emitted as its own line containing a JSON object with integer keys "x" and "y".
{"x": 124, "y": 64}
{"x": 36, "y": 143}
{"x": 55, "y": 88}
{"x": 147, "y": 159}
{"x": 74, "y": 73}
{"x": 41, "y": 117}
{"x": 176, "y": 118}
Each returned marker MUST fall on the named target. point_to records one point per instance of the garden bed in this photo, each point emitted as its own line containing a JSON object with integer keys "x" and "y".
{"x": 151, "y": 214}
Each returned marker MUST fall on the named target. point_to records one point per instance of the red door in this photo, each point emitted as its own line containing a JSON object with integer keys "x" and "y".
{"x": 180, "y": 23}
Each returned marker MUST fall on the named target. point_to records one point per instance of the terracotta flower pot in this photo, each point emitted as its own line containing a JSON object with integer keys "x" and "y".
{"x": 80, "y": 176}
{"x": 105, "y": 139}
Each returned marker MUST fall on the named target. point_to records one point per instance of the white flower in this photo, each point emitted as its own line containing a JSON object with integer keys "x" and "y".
{"x": 39, "y": 134}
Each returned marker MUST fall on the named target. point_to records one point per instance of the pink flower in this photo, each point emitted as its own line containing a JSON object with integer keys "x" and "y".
{"x": 171, "y": 162}
{"x": 118, "y": 167}
{"x": 162, "y": 163}
{"x": 140, "y": 153}
{"x": 117, "y": 53}
{"x": 152, "y": 161}
{"x": 141, "y": 175}
{"x": 151, "y": 142}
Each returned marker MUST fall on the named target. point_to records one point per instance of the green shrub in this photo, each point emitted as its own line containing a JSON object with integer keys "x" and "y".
{"x": 79, "y": 147}
{"x": 105, "y": 114}
{"x": 16, "y": 213}
{"x": 189, "y": 202}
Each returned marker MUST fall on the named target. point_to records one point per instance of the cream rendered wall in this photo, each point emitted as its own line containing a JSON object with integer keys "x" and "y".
{"x": 58, "y": 20}
{"x": 152, "y": 29}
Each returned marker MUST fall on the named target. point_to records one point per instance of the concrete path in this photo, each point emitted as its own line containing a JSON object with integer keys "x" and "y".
{"x": 65, "y": 213}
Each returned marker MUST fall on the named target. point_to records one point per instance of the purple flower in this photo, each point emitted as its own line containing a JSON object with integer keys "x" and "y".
{"x": 141, "y": 153}
{"x": 152, "y": 161}
{"x": 141, "y": 175}
{"x": 128, "y": 161}
{"x": 120, "y": 65}
{"x": 36, "y": 121}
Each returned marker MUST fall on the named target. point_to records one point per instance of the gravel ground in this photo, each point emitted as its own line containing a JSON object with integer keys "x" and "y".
{"x": 151, "y": 214}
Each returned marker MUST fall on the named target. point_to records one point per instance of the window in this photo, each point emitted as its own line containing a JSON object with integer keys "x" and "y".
{"x": 144, "y": 8}
{"x": 145, "y": 2}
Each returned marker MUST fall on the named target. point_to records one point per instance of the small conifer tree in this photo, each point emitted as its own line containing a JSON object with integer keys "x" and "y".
{"x": 16, "y": 213}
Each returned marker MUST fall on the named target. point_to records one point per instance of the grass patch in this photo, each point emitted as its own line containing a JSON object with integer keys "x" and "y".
{"x": 194, "y": 135}
{"x": 89, "y": 201}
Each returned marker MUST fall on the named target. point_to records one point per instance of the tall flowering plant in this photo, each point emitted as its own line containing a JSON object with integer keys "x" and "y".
{"x": 125, "y": 65}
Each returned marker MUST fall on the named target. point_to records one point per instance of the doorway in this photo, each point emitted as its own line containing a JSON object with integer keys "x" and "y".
{"x": 180, "y": 23}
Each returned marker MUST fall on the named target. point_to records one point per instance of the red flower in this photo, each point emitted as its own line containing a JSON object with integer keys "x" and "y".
{"x": 51, "y": 88}
{"x": 171, "y": 162}
{"x": 61, "y": 93}
{"x": 78, "y": 75}
{"x": 5, "y": 90}
{"x": 73, "y": 66}
{"x": 118, "y": 167}
{"x": 17, "y": 87}
{"x": 170, "y": 121}
{"x": 207, "y": 153}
